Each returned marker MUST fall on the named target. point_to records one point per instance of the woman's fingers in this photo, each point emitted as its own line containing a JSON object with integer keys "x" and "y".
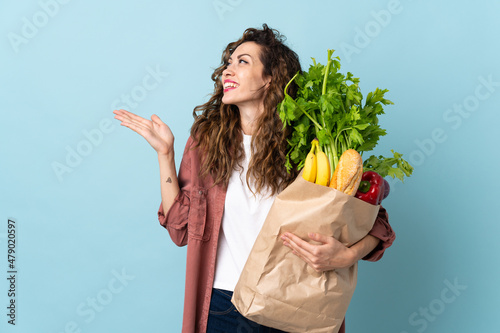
{"x": 303, "y": 257}
{"x": 122, "y": 113}
{"x": 300, "y": 248}
{"x": 298, "y": 244}
{"x": 133, "y": 125}
{"x": 138, "y": 128}
{"x": 125, "y": 115}
{"x": 129, "y": 117}
{"x": 320, "y": 238}
{"x": 318, "y": 256}
{"x": 134, "y": 122}
{"x": 157, "y": 120}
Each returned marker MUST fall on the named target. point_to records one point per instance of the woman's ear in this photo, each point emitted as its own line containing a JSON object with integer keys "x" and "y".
{"x": 268, "y": 81}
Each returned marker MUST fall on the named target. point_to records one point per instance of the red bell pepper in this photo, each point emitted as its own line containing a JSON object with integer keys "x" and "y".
{"x": 371, "y": 188}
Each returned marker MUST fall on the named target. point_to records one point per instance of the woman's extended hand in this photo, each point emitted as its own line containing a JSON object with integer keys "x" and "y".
{"x": 327, "y": 255}
{"x": 155, "y": 131}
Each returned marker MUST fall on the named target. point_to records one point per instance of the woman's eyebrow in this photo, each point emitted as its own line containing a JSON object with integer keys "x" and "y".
{"x": 241, "y": 55}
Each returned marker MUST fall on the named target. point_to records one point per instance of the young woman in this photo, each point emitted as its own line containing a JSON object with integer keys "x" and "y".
{"x": 232, "y": 168}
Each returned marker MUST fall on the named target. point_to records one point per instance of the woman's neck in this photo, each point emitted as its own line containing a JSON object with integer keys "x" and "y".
{"x": 248, "y": 117}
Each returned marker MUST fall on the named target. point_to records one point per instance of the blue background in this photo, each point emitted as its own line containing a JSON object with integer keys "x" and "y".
{"x": 65, "y": 65}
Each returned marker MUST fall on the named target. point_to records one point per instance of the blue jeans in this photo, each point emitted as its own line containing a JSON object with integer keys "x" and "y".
{"x": 224, "y": 318}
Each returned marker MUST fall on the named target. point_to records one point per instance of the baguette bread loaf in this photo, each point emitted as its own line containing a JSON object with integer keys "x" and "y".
{"x": 347, "y": 174}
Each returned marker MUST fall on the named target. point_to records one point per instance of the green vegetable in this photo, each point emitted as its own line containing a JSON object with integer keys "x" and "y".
{"x": 384, "y": 166}
{"x": 329, "y": 106}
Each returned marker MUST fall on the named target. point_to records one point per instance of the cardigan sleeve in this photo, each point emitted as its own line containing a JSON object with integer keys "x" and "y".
{"x": 383, "y": 231}
{"x": 176, "y": 219}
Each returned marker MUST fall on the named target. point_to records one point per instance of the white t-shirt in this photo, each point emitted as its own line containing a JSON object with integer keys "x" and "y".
{"x": 244, "y": 215}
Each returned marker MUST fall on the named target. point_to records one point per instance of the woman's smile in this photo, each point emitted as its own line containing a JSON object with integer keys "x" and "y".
{"x": 229, "y": 85}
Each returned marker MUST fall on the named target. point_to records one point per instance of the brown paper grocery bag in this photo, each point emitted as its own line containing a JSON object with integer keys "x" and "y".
{"x": 278, "y": 289}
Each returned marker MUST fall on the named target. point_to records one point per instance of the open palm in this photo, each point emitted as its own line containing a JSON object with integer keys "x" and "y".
{"x": 155, "y": 131}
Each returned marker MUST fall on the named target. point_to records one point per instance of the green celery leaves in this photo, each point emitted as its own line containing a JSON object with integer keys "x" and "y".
{"x": 329, "y": 106}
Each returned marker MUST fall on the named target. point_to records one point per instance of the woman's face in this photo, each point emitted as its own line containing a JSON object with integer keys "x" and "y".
{"x": 243, "y": 79}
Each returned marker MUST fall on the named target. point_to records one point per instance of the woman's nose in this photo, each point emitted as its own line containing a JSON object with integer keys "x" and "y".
{"x": 227, "y": 71}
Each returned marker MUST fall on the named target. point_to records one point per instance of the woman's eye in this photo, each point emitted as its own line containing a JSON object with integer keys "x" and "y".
{"x": 240, "y": 61}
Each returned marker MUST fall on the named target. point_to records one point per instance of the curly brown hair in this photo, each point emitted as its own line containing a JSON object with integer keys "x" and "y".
{"x": 217, "y": 129}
